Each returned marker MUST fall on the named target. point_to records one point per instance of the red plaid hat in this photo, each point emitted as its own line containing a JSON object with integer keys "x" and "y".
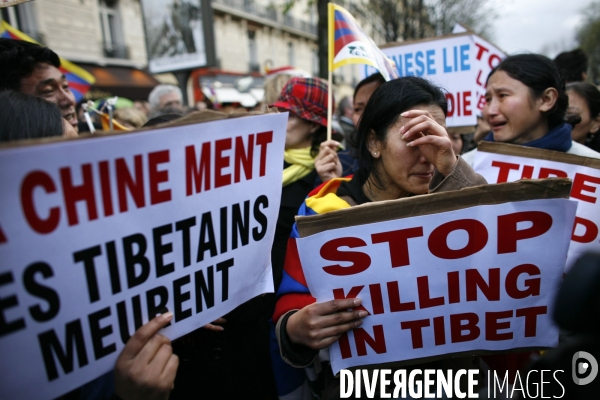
{"x": 306, "y": 97}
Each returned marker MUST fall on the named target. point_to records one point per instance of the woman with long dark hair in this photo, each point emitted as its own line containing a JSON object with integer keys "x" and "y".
{"x": 403, "y": 150}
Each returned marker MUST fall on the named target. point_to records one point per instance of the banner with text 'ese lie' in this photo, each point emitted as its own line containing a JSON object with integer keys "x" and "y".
{"x": 463, "y": 281}
{"x": 458, "y": 63}
{"x": 99, "y": 235}
{"x": 501, "y": 162}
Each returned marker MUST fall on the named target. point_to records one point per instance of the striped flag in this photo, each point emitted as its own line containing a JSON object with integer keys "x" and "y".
{"x": 105, "y": 121}
{"x": 79, "y": 79}
{"x": 349, "y": 44}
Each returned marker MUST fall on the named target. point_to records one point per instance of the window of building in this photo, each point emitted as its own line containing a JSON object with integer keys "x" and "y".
{"x": 291, "y": 55}
{"x": 22, "y": 17}
{"x": 253, "y": 51}
{"x": 112, "y": 32}
{"x": 315, "y": 62}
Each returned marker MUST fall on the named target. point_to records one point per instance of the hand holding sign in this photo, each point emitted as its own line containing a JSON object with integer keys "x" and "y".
{"x": 321, "y": 324}
{"x": 424, "y": 130}
{"x": 147, "y": 366}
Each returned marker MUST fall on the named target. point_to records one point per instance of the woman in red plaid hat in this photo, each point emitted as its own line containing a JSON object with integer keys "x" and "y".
{"x": 305, "y": 99}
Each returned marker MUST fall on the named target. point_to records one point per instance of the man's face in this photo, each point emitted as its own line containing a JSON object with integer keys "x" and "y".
{"x": 171, "y": 100}
{"x": 48, "y": 83}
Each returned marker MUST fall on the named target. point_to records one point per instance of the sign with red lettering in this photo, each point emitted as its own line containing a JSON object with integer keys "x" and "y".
{"x": 500, "y": 162}
{"x": 99, "y": 235}
{"x": 487, "y": 56}
{"x": 468, "y": 280}
{"x": 458, "y": 63}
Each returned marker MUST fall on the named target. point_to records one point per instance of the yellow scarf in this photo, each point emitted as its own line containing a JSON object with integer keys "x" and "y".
{"x": 302, "y": 164}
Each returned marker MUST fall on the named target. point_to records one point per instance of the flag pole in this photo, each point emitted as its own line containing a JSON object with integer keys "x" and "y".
{"x": 329, "y": 105}
{"x": 330, "y": 49}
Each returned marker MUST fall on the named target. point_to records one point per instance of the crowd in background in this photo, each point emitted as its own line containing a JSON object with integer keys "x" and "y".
{"x": 390, "y": 137}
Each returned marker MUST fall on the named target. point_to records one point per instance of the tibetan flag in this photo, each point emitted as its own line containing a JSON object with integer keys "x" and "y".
{"x": 348, "y": 44}
{"x": 105, "y": 121}
{"x": 79, "y": 79}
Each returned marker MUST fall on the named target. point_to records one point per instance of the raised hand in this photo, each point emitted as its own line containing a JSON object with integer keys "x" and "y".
{"x": 146, "y": 368}
{"x": 422, "y": 130}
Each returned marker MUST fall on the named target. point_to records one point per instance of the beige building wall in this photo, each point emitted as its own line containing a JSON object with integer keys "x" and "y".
{"x": 72, "y": 29}
{"x": 231, "y": 43}
{"x": 272, "y": 38}
{"x": 233, "y": 46}
{"x": 133, "y": 30}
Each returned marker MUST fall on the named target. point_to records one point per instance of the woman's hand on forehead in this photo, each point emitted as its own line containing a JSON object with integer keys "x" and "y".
{"x": 424, "y": 130}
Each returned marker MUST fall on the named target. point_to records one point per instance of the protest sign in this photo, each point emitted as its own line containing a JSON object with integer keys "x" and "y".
{"x": 502, "y": 162}
{"x": 443, "y": 274}
{"x": 458, "y": 63}
{"x": 98, "y": 235}
{"x": 487, "y": 56}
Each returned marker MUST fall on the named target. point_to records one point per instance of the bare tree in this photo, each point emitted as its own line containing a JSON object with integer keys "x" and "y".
{"x": 400, "y": 19}
{"x": 473, "y": 14}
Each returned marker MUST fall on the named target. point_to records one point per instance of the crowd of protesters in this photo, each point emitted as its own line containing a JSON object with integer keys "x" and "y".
{"x": 392, "y": 139}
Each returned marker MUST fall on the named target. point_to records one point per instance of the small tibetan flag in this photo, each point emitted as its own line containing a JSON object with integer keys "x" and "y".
{"x": 79, "y": 79}
{"x": 349, "y": 44}
{"x": 105, "y": 121}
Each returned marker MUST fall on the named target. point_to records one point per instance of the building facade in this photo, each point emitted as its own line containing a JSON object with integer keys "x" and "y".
{"x": 107, "y": 37}
{"x": 263, "y": 35}
{"x": 97, "y": 31}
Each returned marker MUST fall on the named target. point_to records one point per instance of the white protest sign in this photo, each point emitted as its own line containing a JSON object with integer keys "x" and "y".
{"x": 487, "y": 56}
{"x": 459, "y": 281}
{"x": 528, "y": 163}
{"x": 458, "y": 63}
{"x": 98, "y": 235}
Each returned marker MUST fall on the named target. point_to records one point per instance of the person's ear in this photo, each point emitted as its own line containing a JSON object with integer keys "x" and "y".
{"x": 374, "y": 145}
{"x": 548, "y": 99}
